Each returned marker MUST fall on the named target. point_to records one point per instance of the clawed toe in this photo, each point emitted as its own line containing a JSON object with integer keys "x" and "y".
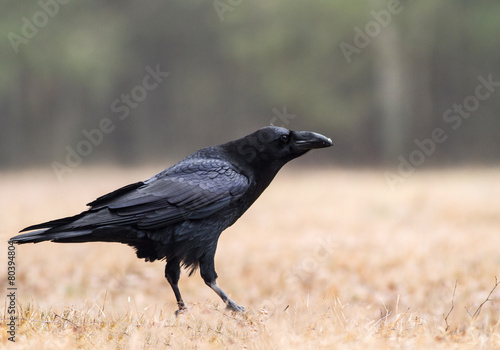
{"x": 233, "y": 307}
{"x": 180, "y": 311}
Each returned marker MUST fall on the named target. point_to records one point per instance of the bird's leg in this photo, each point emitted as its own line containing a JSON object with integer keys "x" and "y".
{"x": 172, "y": 273}
{"x": 207, "y": 271}
{"x": 231, "y": 305}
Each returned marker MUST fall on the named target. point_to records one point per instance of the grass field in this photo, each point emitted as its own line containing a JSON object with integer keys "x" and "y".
{"x": 325, "y": 259}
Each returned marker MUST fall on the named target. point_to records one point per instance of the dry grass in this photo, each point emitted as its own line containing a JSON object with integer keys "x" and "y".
{"x": 324, "y": 259}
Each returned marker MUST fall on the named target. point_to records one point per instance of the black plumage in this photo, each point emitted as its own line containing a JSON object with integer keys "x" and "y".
{"x": 179, "y": 214}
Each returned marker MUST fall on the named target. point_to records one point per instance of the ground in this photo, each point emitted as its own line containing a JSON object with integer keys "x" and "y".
{"x": 326, "y": 258}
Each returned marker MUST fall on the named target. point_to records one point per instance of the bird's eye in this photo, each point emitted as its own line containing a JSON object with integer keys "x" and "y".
{"x": 284, "y": 138}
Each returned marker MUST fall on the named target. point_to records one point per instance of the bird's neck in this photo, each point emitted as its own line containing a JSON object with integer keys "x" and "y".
{"x": 261, "y": 176}
{"x": 259, "y": 169}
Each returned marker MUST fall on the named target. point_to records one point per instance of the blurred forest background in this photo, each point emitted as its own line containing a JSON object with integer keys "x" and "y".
{"x": 373, "y": 75}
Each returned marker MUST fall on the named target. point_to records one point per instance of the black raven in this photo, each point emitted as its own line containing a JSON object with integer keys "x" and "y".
{"x": 179, "y": 214}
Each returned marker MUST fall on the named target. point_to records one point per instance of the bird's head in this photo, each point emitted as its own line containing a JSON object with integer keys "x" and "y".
{"x": 279, "y": 145}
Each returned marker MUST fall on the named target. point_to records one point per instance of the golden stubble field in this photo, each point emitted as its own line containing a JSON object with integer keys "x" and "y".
{"x": 326, "y": 258}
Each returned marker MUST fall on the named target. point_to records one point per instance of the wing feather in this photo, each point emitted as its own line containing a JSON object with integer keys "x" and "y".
{"x": 193, "y": 189}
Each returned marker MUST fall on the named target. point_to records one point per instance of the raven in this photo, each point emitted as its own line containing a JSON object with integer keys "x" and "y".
{"x": 179, "y": 213}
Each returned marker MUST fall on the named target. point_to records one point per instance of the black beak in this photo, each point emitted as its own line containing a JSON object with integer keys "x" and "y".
{"x": 307, "y": 140}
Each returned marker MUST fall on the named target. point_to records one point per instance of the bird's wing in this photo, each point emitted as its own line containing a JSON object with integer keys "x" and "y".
{"x": 191, "y": 189}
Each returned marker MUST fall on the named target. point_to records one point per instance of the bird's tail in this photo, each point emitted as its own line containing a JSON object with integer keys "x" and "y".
{"x": 74, "y": 230}
{"x": 90, "y": 226}
{"x": 55, "y": 230}
{"x": 44, "y": 235}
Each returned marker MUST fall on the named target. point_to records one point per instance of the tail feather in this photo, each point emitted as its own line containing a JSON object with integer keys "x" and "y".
{"x": 53, "y": 223}
{"x": 44, "y": 235}
{"x": 89, "y": 226}
{"x": 92, "y": 226}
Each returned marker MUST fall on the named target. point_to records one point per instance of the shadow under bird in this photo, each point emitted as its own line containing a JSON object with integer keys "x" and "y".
{"x": 179, "y": 214}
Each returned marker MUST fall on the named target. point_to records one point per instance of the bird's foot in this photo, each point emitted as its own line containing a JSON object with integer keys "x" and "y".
{"x": 231, "y": 305}
{"x": 180, "y": 312}
{"x": 182, "y": 309}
